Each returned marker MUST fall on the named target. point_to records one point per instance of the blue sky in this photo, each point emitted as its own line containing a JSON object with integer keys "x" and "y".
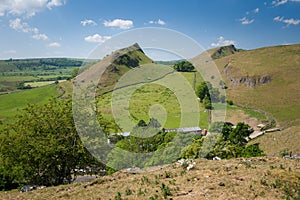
{"x": 73, "y": 28}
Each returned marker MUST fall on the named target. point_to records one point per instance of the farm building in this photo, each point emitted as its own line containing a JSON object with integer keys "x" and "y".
{"x": 194, "y": 130}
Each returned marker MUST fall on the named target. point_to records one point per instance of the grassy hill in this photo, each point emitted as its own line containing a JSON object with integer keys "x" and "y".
{"x": 266, "y": 79}
{"x": 147, "y": 79}
{"x": 255, "y": 178}
{"x": 121, "y": 62}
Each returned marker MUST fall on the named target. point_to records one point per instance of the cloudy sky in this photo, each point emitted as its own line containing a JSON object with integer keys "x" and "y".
{"x": 73, "y": 28}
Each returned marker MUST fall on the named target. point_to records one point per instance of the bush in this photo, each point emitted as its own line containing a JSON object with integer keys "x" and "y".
{"x": 230, "y": 102}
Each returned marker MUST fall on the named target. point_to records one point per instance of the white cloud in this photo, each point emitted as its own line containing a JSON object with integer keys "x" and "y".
{"x": 27, "y": 7}
{"x": 20, "y": 26}
{"x": 246, "y": 21}
{"x": 54, "y": 44}
{"x": 287, "y": 21}
{"x": 279, "y": 2}
{"x": 88, "y": 22}
{"x": 56, "y": 3}
{"x": 222, "y": 42}
{"x": 40, "y": 36}
{"x": 278, "y": 19}
{"x": 159, "y": 21}
{"x": 122, "y": 24}
{"x": 256, "y": 10}
{"x": 97, "y": 38}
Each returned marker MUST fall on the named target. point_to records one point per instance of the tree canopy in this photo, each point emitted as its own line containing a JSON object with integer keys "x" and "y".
{"x": 184, "y": 66}
{"x": 42, "y": 147}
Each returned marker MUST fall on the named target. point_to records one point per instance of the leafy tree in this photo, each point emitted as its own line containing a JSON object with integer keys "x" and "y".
{"x": 203, "y": 89}
{"x": 222, "y": 127}
{"x": 207, "y": 103}
{"x": 42, "y": 147}
{"x": 184, "y": 66}
{"x": 238, "y": 135}
{"x": 193, "y": 149}
{"x": 252, "y": 151}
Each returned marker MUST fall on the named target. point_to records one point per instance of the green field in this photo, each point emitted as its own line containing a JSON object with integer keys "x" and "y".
{"x": 41, "y": 83}
{"x": 153, "y": 100}
{"x": 12, "y": 104}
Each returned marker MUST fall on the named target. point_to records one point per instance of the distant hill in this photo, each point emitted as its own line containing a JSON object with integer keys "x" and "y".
{"x": 14, "y": 65}
{"x": 15, "y": 72}
{"x": 223, "y": 51}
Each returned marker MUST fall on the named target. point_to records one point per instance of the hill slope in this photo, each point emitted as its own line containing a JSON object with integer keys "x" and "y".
{"x": 266, "y": 79}
{"x": 121, "y": 62}
{"x": 255, "y": 178}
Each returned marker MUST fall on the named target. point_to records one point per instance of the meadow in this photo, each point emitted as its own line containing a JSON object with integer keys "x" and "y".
{"x": 13, "y": 103}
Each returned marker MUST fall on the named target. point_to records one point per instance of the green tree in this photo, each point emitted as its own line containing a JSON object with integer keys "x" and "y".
{"x": 207, "y": 103}
{"x": 42, "y": 147}
{"x": 221, "y": 127}
{"x": 252, "y": 151}
{"x": 203, "y": 89}
{"x": 184, "y": 66}
{"x": 238, "y": 135}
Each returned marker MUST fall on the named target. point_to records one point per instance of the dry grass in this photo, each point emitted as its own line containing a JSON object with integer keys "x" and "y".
{"x": 274, "y": 143}
{"x": 280, "y": 98}
{"x": 255, "y": 178}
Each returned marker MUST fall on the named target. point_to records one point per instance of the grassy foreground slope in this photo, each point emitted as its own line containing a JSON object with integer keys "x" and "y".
{"x": 255, "y": 178}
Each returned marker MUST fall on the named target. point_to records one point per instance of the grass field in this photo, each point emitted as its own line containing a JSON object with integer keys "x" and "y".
{"x": 41, "y": 83}
{"x": 11, "y": 104}
{"x": 152, "y": 100}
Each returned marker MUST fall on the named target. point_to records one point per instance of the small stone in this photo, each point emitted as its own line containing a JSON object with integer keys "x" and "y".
{"x": 222, "y": 184}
